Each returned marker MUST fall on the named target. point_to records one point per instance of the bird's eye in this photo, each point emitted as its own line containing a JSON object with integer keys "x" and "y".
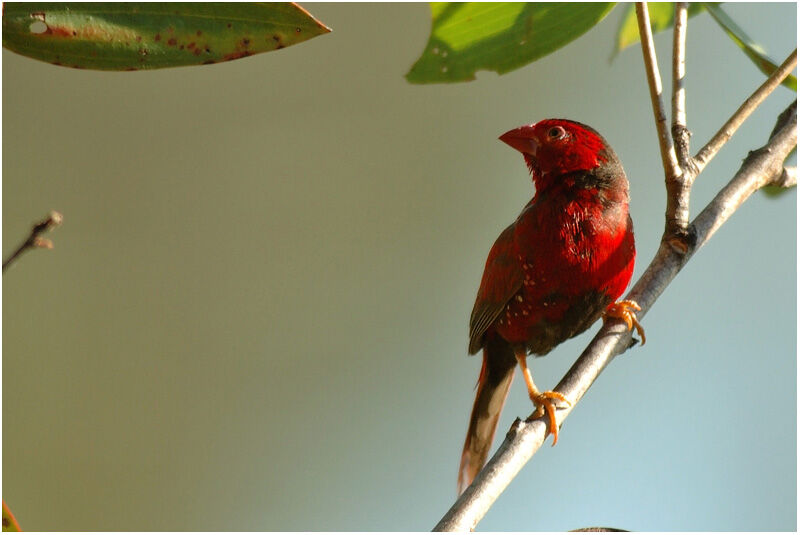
{"x": 556, "y": 132}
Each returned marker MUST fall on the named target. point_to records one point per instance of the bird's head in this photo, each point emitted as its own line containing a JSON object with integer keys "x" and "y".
{"x": 555, "y": 147}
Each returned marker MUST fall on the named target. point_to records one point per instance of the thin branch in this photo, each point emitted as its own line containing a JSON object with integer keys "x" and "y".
{"x": 729, "y": 128}
{"x": 679, "y": 186}
{"x": 35, "y": 240}
{"x": 668, "y": 158}
{"x": 761, "y": 167}
{"x": 525, "y": 437}
{"x": 680, "y": 133}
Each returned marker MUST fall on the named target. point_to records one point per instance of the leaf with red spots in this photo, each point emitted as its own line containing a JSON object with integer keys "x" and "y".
{"x": 133, "y": 36}
{"x": 9, "y": 522}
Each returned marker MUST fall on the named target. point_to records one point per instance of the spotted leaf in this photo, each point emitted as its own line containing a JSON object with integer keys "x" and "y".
{"x": 133, "y": 36}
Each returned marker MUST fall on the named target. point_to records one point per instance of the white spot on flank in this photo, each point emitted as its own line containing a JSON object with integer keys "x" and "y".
{"x": 519, "y": 298}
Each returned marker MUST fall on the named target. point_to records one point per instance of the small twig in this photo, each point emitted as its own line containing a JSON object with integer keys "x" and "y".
{"x": 525, "y": 438}
{"x": 680, "y": 133}
{"x": 668, "y": 158}
{"x": 729, "y": 128}
{"x": 35, "y": 240}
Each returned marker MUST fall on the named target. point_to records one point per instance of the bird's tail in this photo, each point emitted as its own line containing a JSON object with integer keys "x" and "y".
{"x": 494, "y": 381}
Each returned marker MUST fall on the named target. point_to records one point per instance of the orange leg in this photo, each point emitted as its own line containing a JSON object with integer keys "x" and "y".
{"x": 542, "y": 400}
{"x": 625, "y": 310}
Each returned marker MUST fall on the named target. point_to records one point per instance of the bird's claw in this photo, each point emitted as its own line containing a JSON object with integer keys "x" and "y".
{"x": 626, "y": 311}
{"x": 543, "y": 403}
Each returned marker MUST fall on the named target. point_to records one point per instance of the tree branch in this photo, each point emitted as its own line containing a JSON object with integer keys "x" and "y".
{"x": 762, "y": 166}
{"x": 679, "y": 186}
{"x": 35, "y": 241}
{"x": 787, "y": 179}
{"x": 668, "y": 158}
{"x": 729, "y": 128}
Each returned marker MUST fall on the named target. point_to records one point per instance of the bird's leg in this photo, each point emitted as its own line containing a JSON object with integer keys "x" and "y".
{"x": 542, "y": 400}
{"x": 625, "y": 310}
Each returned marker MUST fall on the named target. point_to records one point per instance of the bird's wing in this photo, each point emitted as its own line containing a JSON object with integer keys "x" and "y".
{"x": 502, "y": 278}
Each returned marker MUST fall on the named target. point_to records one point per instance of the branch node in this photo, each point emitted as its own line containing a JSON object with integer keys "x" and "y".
{"x": 678, "y": 244}
{"x": 787, "y": 178}
{"x": 34, "y": 240}
{"x": 682, "y": 240}
{"x": 681, "y": 136}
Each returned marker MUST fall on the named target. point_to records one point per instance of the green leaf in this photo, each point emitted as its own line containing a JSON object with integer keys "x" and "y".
{"x": 662, "y": 16}
{"x": 774, "y": 192}
{"x": 133, "y": 36}
{"x": 753, "y": 51}
{"x": 500, "y": 37}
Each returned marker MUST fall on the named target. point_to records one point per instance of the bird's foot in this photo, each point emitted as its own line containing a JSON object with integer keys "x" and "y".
{"x": 626, "y": 311}
{"x": 543, "y": 403}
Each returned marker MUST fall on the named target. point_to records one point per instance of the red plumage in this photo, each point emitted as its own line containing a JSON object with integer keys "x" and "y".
{"x": 553, "y": 272}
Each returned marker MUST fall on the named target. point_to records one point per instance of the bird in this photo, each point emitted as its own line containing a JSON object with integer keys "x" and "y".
{"x": 559, "y": 267}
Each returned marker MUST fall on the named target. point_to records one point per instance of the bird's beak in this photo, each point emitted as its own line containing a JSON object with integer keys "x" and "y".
{"x": 522, "y": 139}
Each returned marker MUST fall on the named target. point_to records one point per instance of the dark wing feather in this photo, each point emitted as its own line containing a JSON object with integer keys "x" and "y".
{"x": 502, "y": 278}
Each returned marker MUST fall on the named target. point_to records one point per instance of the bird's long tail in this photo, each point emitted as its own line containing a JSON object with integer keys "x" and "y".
{"x": 494, "y": 381}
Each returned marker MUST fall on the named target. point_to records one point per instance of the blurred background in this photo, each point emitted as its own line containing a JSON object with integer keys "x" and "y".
{"x": 255, "y": 316}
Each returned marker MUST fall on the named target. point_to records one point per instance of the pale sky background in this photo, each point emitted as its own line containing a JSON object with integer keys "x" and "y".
{"x": 255, "y": 316}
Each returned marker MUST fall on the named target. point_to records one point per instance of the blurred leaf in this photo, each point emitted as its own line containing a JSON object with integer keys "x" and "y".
{"x": 775, "y": 191}
{"x": 133, "y": 36}
{"x": 500, "y": 37}
{"x": 662, "y": 16}
{"x": 756, "y": 54}
{"x": 9, "y": 522}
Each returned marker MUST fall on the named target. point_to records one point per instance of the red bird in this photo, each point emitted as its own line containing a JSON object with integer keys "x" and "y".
{"x": 552, "y": 273}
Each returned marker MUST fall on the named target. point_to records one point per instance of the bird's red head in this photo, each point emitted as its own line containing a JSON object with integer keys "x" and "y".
{"x": 555, "y": 147}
